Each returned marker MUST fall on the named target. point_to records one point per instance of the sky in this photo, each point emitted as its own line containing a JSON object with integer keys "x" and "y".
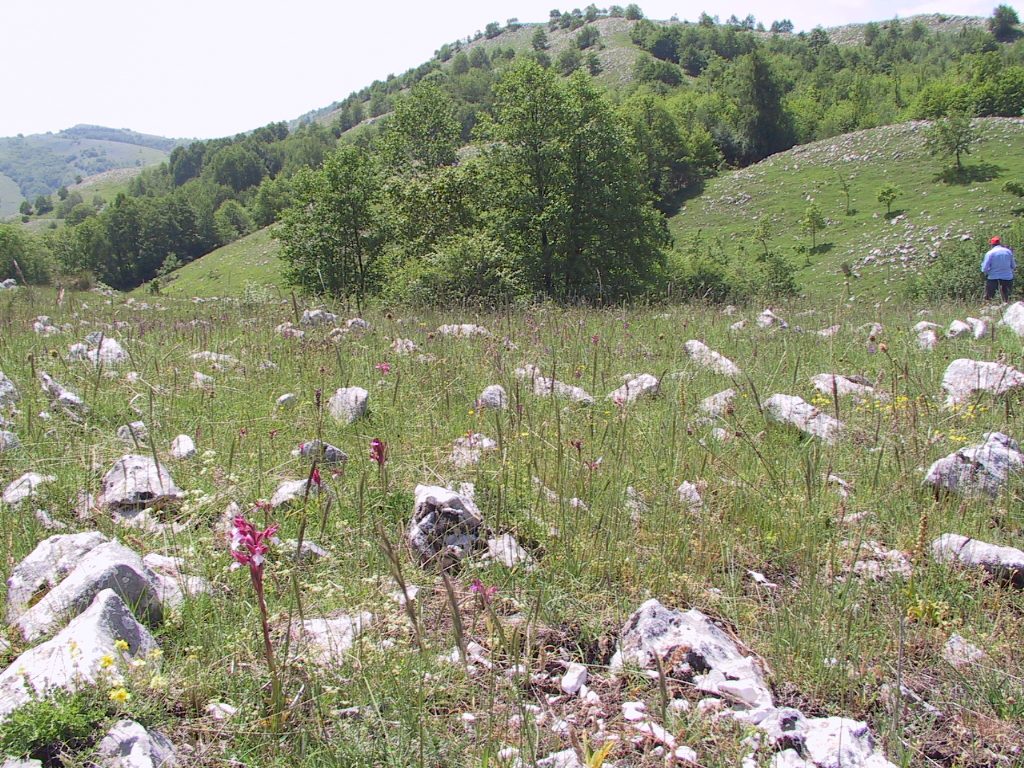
{"x": 189, "y": 69}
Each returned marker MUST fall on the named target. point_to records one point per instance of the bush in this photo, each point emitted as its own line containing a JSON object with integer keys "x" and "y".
{"x": 954, "y": 274}
{"x": 44, "y": 728}
{"x": 22, "y": 255}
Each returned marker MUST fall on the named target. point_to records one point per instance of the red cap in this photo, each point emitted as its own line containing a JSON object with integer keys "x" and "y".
{"x": 994, "y": 241}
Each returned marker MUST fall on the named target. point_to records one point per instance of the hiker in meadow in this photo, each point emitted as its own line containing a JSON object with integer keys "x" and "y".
{"x": 998, "y": 266}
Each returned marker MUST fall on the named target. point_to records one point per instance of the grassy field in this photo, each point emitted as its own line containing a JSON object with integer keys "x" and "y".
{"x": 835, "y": 644}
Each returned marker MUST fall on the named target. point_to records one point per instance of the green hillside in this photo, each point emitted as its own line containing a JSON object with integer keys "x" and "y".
{"x": 251, "y": 262}
{"x": 882, "y": 251}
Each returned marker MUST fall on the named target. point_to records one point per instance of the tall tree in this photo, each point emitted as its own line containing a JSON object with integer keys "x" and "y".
{"x": 423, "y": 133}
{"x": 764, "y": 125}
{"x": 1003, "y": 24}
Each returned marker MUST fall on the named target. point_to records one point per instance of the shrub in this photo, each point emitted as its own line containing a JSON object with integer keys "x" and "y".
{"x": 953, "y": 274}
{"x": 44, "y": 728}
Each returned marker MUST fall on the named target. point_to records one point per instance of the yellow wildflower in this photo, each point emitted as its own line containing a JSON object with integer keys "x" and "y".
{"x": 121, "y": 645}
{"x": 106, "y": 661}
{"x": 119, "y": 695}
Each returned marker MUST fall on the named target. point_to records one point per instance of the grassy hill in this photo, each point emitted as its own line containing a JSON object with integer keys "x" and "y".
{"x": 882, "y": 251}
{"x": 251, "y": 262}
{"x": 39, "y": 164}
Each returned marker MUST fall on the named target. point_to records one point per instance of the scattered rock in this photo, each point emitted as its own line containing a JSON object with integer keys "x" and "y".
{"x": 183, "y": 447}
{"x": 307, "y": 552}
{"x": 25, "y": 487}
{"x": 960, "y": 653}
{"x": 74, "y": 657}
{"x": 134, "y": 433}
{"x": 325, "y": 642}
{"x": 129, "y": 745}
{"x": 8, "y": 392}
{"x": 317, "y": 317}
{"x": 44, "y": 326}
{"x": 325, "y": 453}
{"x": 957, "y": 328}
{"x": 506, "y": 550}
{"x": 644, "y": 385}
{"x": 1004, "y": 563}
{"x": 110, "y": 565}
{"x": 70, "y": 404}
{"x": 104, "y": 350}
{"x": 287, "y": 401}
{"x": 215, "y": 357}
{"x": 964, "y": 377}
{"x": 879, "y": 563}
{"x": 978, "y": 469}
{"x": 135, "y": 482}
{"x": 292, "y": 491}
{"x": 689, "y": 496}
{"x": 713, "y": 361}
{"x": 202, "y": 381}
{"x": 404, "y": 346}
{"x": 445, "y": 525}
{"x": 575, "y": 677}
{"x": 45, "y": 566}
{"x": 1013, "y": 318}
{"x": 493, "y": 397}
{"x": 463, "y": 330}
{"x": 468, "y": 450}
{"x": 219, "y": 711}
{"x": 793, "y": 410}
{"x": 357, "y": 324}
{"x": 927, "y": 339}
{"x": 544, "y": 386}
{"x": 769, "y": 319}
{"x": 719, "y": 404}
{"x": 845, "y": 386}
{"x": 348, "y": 404}
{"x": 173, "y": 584}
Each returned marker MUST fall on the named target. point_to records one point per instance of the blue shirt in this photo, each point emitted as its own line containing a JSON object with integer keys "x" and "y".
{"x": 998, "y": 263}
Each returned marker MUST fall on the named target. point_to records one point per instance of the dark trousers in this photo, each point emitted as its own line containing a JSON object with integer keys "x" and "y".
{"x": 1005, "y": 289}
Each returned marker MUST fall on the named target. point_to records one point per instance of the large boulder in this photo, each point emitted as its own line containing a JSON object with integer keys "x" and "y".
{"x": 348, "y": 404}
{"x": 74, "y": 657}
{"x": 706, "y": 357}
{"x": 135, "y": 482}
{"x": 794, "y": 411}
{"x": 445, "y": 525}
{"x": 1013, "y": 317}
{"x": 46, "y": 566}
{"x": 978, "y": 469}
{"x": 856, "y": 387}
{"x": 544, "y": 386}
{"x": 964, "y": 377}
{"x": 1006, "y": 563}
{"x": 636, "y": 387}
{"x": 111, "y": 565}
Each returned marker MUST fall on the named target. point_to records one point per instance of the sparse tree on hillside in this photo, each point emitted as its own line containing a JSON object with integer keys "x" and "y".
{"x": 763, "y": 233}
{"x": 25, "y": 209}
{"x": 633, "y": 12}
{"x": 953, "y": 135}
{"x": 492, "y": 30}
{"x": 539, "y": 41}
{"x": 423, "y": 133}
{"x": 587, "y": 37}
{"x": 812, "y": 223}
{"x": 43, "y": 205}
{"x": 1003, "y": 24}
{"x": 887, "y": 196}
{"x": 782, "y": 26}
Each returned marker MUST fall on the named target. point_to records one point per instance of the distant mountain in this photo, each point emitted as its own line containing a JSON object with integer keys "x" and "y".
{"x": 40, "y": 164}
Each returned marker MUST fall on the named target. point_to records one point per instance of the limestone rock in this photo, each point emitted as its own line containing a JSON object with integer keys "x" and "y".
{"x": 769, "y": 319}
{"x": 25, "y": 487}
{"x": 183, "y": 447}
{"x": 104, "y": 350}
{"x": 960, "y": 653}
{"x": 404, "y": 346}
{"x": 8, "y": 392}
{"x": 964, "y": 377}
{"x": 927, "y": 339}
{"x": 72, "y": 658}
{"x": 173, "y": 584}
{"x": 978, "y": 469}
{"x": 689, "y": 496}
{"x": 856, "y": 387}
{"x": 444, "y": 524}
{"x": 111, "y": 565}
{"x": 348, "y": 404}
{"x": 1004, "y": 563}
{"x": 325, "y": 641}
{"x": 201, "y": 380}
{"x": 134, "y": 433}
{"x": 137, "y": 481}
{"x": 315, "y": 317}
{"x": 325, "y": 453}
{"x": 8, "y": 441}
{"x": 958, "y": 328}
{"x": 291, "y": 491}
{"x": 463, "y": 330}
{"x": 644, "y": 385}
{"x": 544, "y": 386}
{"x": 45, "y": 566}
{"x": 506, "y": 550}
{"x": 1013, "y": 318}
{"x": 979, "y": 327}
{"x": 493, "y": 397}
{"x": 70, "y": 404}
{"x": 468, "y": 450}
{"x": 287, "y": 401}
{"x": 793, "y": 410}
{"x": 710, "y": 359}
{"x": 216, "y": 358}
{"x": 129, "y": 745}
{"x": 719, "y": 404}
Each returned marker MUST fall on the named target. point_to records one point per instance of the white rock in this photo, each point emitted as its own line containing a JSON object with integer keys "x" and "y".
{"x": 25, "y": 487}
{"x": 404, "y": 346}
{"x": 287, "y": 400}
{"x": 575, "y": 677}
{"x": 173, "y": 584}
{"x": 137, "y": 481}
{"x": 202, "y": 381}
{"x": 45, "y": 566}
{"x": 718, "y": 405}
{"x": 769, "y": 319}
{"x": 960, "y": 653}
{"x": 183, "y": 447}
{"x": 291, "y": 491}
{"x": 493, "y": 397}
{"x": 713, "y": 361}
{"x": 544, "y": 386}
{"x": 845, "y": 386}
{"x": 567, "y": 758}
{"x": 8, "y": 392}
{"x": 215, "y": 357}
{"x": 958, "y": 328}
{"x": 979, "y": 327}
{"x": 689, "y": 496}
{"x": 17, "y": 762}
{"x": 348, "y": 404}
{"x": 463, "y": 330}
{"x": 468, "y": 450}
{"x": 739, "y": 325}
{"x": 444, "y": 524}
{"x": 220, "y": 711}
{"x": 73, "y": 657}
{"x": 129, "y": 745}
{"x": 134, "y": 433}
{"x": 978, "y": 469}
{"x": 964, "y": 377}
{"x": 62, "y": 398}
{"x": 506, "y": 550}
{"x": 793, "y": 410}
{"x": 634, "y": 711}
{"x": 1013, "y": 318}
{"x": 838, "y": 742}
{"x": 927, "y": 339}
{"x": 829, "y": 332}
{"x": 644, "y": 385}
{"x": 326, "y": 641}
{"x": 105, "y": 350}
{"x": 1002, "y": 562}
{"x": 110, "y": 565}
{"x": 314, "y": 317}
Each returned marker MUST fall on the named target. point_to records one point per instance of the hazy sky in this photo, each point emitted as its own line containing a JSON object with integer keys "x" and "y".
{"x": 218, "y": 67}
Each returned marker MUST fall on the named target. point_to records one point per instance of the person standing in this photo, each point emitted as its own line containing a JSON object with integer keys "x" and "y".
{"x": 998, "y": 266}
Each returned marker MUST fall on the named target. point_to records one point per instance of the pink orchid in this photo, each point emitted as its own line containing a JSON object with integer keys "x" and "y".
{"x": 378, "y": 451}
{"x": 249, "y": 544}
{"x": 487, "y": 594}
{"x": 384, "y": 368}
